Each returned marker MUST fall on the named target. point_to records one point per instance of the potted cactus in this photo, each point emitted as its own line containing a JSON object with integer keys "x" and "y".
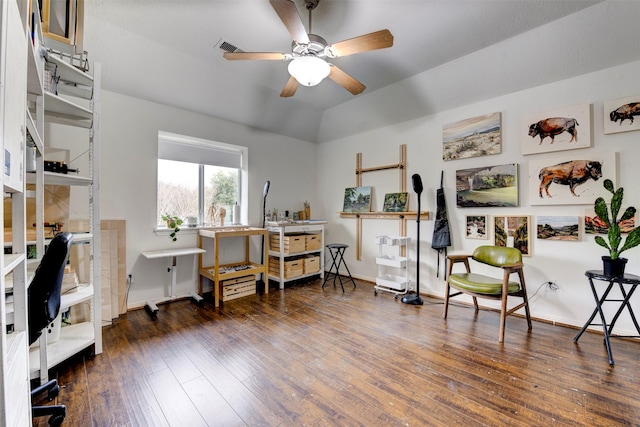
{"x": 613, "y": 264}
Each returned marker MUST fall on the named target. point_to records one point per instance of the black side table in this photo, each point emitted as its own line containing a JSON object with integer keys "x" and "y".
{"x": 628, "y": 279}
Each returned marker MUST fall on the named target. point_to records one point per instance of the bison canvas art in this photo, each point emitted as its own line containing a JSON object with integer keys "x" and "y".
{"x": 562, "y": 129}
{"x": 622, "y": 115}
{"x": 570, "y": 180}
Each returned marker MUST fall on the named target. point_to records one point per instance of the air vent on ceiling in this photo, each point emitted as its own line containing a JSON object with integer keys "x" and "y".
{"x": 227, "y": 47}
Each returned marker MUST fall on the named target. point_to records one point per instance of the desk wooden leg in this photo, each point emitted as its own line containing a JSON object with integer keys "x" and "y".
{"x": 216, "y": 293}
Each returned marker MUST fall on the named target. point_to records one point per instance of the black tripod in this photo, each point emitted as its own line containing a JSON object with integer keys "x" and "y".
{"x": 415, "y": 299}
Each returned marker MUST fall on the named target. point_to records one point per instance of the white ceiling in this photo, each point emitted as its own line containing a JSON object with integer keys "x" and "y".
{"x": 165, "y": 50}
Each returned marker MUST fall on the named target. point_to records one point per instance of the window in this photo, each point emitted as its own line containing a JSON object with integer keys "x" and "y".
{"x": 198, "y": 180}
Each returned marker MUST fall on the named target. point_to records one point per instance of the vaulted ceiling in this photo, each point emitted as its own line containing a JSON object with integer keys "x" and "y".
{"x": 167, "y": 51}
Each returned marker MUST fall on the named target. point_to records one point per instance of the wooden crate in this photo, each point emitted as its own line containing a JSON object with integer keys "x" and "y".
{"x": 311, "y": 264}
{"x": 313, "y": 242}
{"x": 238, "y": 287}
{"x": 292, "y": 243}
{"x": 292, "y": 267}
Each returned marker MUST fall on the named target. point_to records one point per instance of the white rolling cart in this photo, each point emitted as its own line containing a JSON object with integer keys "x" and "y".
{"x": 393, "y": 271}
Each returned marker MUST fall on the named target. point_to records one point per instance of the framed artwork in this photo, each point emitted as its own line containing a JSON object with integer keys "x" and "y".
{"x": 619, "y": 115}
{"x": 558, "y": 228}
{"x": 396, "y": 202}
{"x": 556, "y": 130}
{"x": 477, "y": 227}
{"x": 490, "y": 186}
{"x": 594, "y": 225}
{"x": 474, "y": 137}
{"x": 357, "y": 199}
{"x": 570, "y": 180}
{"x": 513, "y": 232}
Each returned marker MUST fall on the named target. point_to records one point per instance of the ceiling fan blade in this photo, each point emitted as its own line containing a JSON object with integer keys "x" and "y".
{"x": 373, "y": 41}
{"x": 288, "y": 13}
{"x": 290, "y": 88}
{"x": 232, "y": 56}
{"x": 345, "y": 80}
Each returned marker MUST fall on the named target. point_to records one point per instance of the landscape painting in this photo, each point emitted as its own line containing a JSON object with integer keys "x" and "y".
{"x": 513, "y": 232}
{"x": 474, "y": 137}
{"x": 357, "y": 199}
{"x": 396, "y": 202}
{"x": 565, "y": 128}
{"x": 594, "y": 225}
{"x": 559, "y": 228}
{"x": 622, "y": 115}
{"x": 570, "y": 180}
{"x": 490, "y": 186}
{"x": 477, "y": 227}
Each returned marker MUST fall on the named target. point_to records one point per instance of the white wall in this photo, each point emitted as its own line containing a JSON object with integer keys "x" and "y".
{"x": 129, "y": 130}
{"x": 562, "y": 262}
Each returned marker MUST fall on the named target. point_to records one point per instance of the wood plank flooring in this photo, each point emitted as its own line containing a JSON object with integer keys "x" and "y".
{"x": 307, "y": 356}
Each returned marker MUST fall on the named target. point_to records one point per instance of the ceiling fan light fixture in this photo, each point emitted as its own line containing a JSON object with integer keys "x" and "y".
{"x": 309, "y": 70}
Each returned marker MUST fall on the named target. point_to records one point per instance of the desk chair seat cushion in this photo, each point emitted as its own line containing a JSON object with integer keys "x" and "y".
{"x": 481, "y": 284}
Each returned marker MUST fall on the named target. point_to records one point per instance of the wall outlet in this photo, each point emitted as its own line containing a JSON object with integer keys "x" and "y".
{"x": 130, "y": 279}
{"x": 552, "y": 286}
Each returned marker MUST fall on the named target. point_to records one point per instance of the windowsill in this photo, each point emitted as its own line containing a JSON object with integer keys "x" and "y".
{"x": 191, "y": 230}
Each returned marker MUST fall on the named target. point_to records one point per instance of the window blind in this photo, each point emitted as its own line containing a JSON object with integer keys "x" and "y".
{"x": 194, "y": 150}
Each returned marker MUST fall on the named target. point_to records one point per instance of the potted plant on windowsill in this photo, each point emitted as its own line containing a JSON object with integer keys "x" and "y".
{"x": 613, "y": 265}
{"x": 173, "y": 223}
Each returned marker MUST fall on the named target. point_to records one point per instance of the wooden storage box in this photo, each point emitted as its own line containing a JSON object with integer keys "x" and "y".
{"x": 311, "y": 264}
{"x": 313, "y": 242}
{"x": 292, "y": 244}
{"x": 292, "y": 267}
{"x": 238, "y": 287}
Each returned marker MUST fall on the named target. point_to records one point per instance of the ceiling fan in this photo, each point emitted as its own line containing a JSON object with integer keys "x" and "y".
{"x": 308, "y": 51}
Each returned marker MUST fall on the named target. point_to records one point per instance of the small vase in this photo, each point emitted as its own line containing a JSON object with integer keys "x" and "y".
{"x": 613, "y": 267}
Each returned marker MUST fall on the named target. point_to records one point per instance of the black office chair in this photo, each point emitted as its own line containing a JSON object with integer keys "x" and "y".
{"x": 44, "y": 305}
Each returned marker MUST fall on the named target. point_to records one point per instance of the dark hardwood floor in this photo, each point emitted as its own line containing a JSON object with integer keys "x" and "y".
{"x": 305, "y": 356}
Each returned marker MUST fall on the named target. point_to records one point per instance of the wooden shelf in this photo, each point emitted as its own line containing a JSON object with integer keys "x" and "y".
{"x": 385, "y": 215}
{"x": 73, "y": 339}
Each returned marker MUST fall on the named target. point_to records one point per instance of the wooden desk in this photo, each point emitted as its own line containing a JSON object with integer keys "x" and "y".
{"x": 213, "y": 272}
{"x": 151, "y": 306}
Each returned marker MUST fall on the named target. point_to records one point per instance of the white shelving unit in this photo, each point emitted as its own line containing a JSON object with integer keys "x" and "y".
{"x": 20, "y": 75}
{"x": 303, "y": 227}
{"x": 75, "y": 104}
{"x": 393, "y": 271}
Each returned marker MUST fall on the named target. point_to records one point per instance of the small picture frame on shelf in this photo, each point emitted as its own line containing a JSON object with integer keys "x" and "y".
{"x": 396, "y": 202}
{"x": 357, "y": 199}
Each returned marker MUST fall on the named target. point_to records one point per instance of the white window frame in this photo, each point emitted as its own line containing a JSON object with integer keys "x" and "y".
{"x": 199, "y": 146}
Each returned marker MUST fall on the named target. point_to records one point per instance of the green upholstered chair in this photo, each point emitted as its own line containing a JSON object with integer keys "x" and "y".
{"x": 509, "y": 260}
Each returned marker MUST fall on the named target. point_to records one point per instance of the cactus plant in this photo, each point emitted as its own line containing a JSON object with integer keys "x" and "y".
{"x": 614, "y": 239}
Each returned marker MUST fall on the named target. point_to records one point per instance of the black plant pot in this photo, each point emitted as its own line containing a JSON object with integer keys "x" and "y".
{"x": 613, "y": 267}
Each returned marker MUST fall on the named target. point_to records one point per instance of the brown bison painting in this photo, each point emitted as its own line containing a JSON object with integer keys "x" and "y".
{"x": 562, "y": 129}
{"x": 571, "y": 173}
{"x": 622, "y": 115}
{"x": 566, "y": 180}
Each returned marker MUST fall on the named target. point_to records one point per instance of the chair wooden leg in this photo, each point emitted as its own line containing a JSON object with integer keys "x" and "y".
{"x": 503, "y": 317}
{"x": 525, "y": 298}
{"x": 446, "y": 301}
{"x": 475, "y": 304}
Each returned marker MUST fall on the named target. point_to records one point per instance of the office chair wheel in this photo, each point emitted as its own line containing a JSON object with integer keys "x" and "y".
{"x": 56, "y": 420}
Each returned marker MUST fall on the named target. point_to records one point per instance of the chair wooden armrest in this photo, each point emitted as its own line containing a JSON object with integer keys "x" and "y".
{"x": 457, "y": 258}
